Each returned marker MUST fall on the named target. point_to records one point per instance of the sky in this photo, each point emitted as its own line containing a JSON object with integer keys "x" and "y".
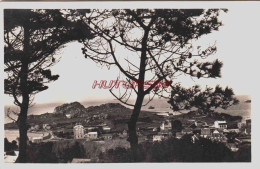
{"x": 237, "y": 43}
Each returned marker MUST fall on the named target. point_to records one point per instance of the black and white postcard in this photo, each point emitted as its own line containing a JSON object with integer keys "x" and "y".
{"x": 130, "y": 82}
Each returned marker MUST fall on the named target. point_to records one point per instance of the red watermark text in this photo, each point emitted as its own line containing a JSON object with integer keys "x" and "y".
{"x": 104, "y": 84}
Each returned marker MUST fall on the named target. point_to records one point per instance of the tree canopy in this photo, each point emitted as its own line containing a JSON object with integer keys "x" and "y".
{"x": 204, "y": 100}
{"x": 45, "y": 31}
{"x": 31, "y": 38}
{"x": 157, "y": 43}
{"x": 149, "y": 46}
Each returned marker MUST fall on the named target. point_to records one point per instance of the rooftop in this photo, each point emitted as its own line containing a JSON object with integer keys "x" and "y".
{"x": 221, "y": 122}
{"x": 92, "y": 132}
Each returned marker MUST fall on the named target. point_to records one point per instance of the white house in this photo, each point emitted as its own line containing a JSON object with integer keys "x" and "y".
{"x": 162, "y": 114}
{"x": 106, "y": 129}
{"x": 92, "y": 135}
{"x": 205, "y": 132}
{"x": 78, "y": 131}
{"x": 37, "y": 139}
{"x": 158, "y": 138}
{"x": 166, "y": 125}
{"x": 216, "y": 132}
{"x": 220, "y": 124}
{"x": 68, "y": 116}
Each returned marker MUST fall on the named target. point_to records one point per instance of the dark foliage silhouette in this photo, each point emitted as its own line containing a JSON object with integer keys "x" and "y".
{"x": 173, "y": 150}
{"x": 31, "y": 39}
{"x": 157, "y": 44}
{"x": 204, "y": 100}
{"x": 10, "y": 146}
{"x": 176, "y": 126}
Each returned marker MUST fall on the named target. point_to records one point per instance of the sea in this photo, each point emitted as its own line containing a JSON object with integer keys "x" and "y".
{"x": 13, "y": 134}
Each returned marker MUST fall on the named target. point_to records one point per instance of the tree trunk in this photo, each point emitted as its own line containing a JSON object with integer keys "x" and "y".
{"x": 133, "y": 138}
{"x": 22, "y": 119}
{"x": 22, "y": 123}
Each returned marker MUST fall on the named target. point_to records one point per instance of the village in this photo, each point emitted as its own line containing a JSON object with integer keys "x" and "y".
{"x": 106, "y": 127}
{"x": 232, "y": 131}
{"x": 219, "y": 131}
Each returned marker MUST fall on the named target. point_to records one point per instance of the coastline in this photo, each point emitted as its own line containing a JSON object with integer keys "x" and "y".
{"x": 242, "y": 109}
{"x": 12, "y": 134}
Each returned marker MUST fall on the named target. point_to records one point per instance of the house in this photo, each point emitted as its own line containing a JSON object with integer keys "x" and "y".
{"x": 123, "y": 134}
{"x": 200, "y": 124}
{"x": 226, "y": 131}
{"x": 187, "y": 131}
{"x": 106, "y": 129}
{"x": 107, "y": 136}
{"x": 90, "y": 128}
{"x": 37, "y": 139}
{"x": 92, "y": 135}
{"x": 205, "y": 132}
{"x": 69, "y": 116}
{"x": 166, "y": 125}
{"x": 158, "y": 137}
{"x": 162, "y": 114}
{"x": 78, "y": 131}
{"x": 215, "y": 133}
{"x": 220, "y": 124}
{"x": 179, "y": 135}
{"x": 233, "y": 147}
{"x": 46, "y": 126}
{"x": 80, "y": 160}
{"x": 218, "y": 136}
{"x": 35, "y": 127}
{"x": 162, "y": 126}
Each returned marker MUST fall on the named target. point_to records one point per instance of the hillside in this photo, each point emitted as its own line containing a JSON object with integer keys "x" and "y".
{"x": 74, "y": 109}
{"x": 114, "y": 115}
